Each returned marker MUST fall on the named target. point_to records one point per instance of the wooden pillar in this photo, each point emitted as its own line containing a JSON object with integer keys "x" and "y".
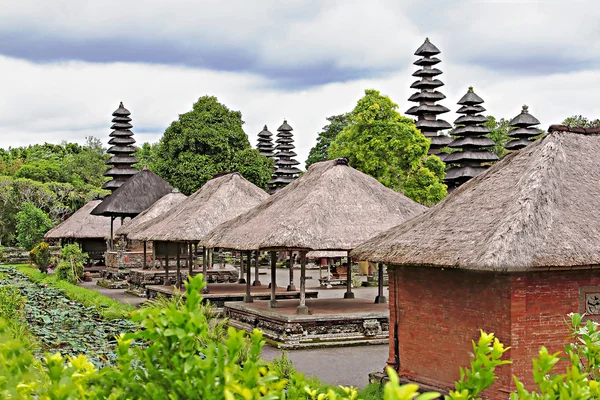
{"x": 144, "y": 263}
{"x": 349, "y": 294}
{"x": 241, "y": 276}
{"x": 380, "y": 299}
{"x": 178, "y": 276}
{"x": 291, "y": 286}
{"x": 205, "y": 252}
{"x": 112, "y": 241}
{"x": 167, "y": 282}
{"x": 273, "y": 302}
{"x": 190, "y": 261}
{"x": 302, "y": 308}
{"x": 248, "y": 297}
{"x": 256, "y": 277}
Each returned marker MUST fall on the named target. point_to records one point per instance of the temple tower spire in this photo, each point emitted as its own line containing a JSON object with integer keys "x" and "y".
{"x": 285, "y": 165}
{"x": 265, "y": 143}
{"x": 523, "y": 130}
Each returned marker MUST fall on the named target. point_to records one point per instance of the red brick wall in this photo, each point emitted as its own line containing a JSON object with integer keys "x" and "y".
{"x": 440, "y": 311}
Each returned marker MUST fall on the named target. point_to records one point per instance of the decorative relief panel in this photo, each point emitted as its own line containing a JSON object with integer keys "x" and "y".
{"x": 589, "y": 301}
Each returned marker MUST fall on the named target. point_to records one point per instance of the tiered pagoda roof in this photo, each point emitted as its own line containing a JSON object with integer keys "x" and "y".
{"x": 285, "y": 165}
{"x": 265, "y": 143}
{"x": 122, "y": 150}
{"x": 474, "y": 153}
{"x": 523, "y": 131}
{"x": 427, "y": 111}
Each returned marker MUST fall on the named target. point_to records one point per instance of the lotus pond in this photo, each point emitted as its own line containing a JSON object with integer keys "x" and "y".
{"x": 62, "y": 325}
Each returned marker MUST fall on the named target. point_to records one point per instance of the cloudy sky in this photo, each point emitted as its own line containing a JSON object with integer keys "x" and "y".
{"x": 66, "y": 64}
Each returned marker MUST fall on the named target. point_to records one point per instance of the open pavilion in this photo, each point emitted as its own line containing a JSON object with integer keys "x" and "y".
{"x": 331, "y": 207}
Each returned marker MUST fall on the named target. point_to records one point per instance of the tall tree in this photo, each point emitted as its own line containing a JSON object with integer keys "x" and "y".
{"x": 499, "y": 133}
{"x": 32, "y": 224}
{"x": 337, "y": 123}
{"x": 205, "y": 141}
{"x": 581, "y": 121}
{"x": 386, "y": 145}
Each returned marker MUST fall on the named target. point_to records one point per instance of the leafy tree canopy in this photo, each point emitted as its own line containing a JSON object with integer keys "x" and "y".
{"x": 205, "y": 141}
{"x": 388, "y": 146}
{"x": 499, "y": 133}
{"x": 330, "y": 131}
{"x": 581, "y": 121}
{"x": 32, "y": 224}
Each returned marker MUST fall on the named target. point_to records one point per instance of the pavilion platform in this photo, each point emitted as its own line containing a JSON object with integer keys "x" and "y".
{"x": 330, "y": 322}
{"x": 154, "y": 276}
{"x": 220, "y": 293}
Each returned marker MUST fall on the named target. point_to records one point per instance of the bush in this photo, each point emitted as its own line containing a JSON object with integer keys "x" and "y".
{"x": 32, "y": 224}
{"x": 70, "y": 265}
{"x": 40, "y": 256}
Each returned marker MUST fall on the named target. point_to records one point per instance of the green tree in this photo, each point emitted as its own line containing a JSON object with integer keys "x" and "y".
{"x": 388, "y": 146}
{"x": 581, "y": 121}
{"x": 32, "y": 224}
{"x": 146, "y": 155}
{"x": 499, "y": 133}
{"x": 319, "y": 152}
{"x": 205, "y": 141}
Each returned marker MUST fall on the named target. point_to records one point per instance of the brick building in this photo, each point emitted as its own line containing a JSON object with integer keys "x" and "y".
{"x": 512, "y": 252}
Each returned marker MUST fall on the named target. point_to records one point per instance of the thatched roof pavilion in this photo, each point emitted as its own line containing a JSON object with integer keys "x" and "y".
{"x": 512, "y": 251}
{"x": 91, "y": 231}
{"x": 224, "y": 197}
{"x": 331, "y": 207}
{"x": 137, "y": 194}
{"x": 161, "y": 206}
{"x": 82, "y": 225}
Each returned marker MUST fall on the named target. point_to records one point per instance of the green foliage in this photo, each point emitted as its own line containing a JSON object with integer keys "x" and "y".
{"x": 40, "y": 256}
{"x": 581, "y": 122}
{"x": 108, "y": 308}
{"x": 70, "y": 265}
{"x": 386, "y": 145}
{"x": 320, "y": 151}
{"x": 283, "y": 366}
{"x": 64, "y": 271}
{"x": 205, "y": 141}
{"x": 499, "y": 133}
{"x": 146, "y": 155}
{"x": 32, "y": 224}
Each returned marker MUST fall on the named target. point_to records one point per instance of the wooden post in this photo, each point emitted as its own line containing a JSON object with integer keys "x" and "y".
{"x": 349, "y": 294}
{"x": 273, "y": 302}
{"x": 302, "y": 308}
{"x": 112, "y": 242}
{"x": 248, "y": 298}
{"x": 291, "y": 286}
{"x": 178, "y": 276}
{"x": 190, "y": 261}
{"x": 241, "y": 276}
{"x": 144, "y": 263}
{"x": 329, "y": 262}
{"x": 256, "y": 277}
{"x": 380, "y": 299}
{"x": 167, "y": 281}
{"x": 205, "y": 252}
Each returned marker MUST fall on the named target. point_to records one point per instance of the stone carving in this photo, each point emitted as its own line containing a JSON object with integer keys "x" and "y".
{"x": 592, "y": 303}
{"x": 372, "y": 327}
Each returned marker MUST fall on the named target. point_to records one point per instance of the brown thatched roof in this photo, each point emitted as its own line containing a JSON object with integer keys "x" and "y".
{"x": 331, "y": 207}
{"x": 134, "y": 196}
{"x": 82, "y": 225}
{"x": 161, "y": 206}
{"x": 537, "y": 208}
{"x": 313, "y": 255}
{"x": 220, "y": 199}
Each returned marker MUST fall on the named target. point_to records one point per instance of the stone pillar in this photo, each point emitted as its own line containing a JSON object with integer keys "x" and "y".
{"x": 302, "y": 308}
{"x": 248, "y": 297}
{"x": 190, "y": 260}
{"x": 349, "y": 294}
{"x": 273, "y": 302}
{"x": 256, "y": 275}
{"x": 380, "y": 299}
{"x": 291, "y": 286}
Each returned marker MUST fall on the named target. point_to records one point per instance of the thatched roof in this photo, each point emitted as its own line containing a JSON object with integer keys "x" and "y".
{"x": 331, "y": 207}
{"x": 161, "y": 206}
{"x": 220, "y": 199}
{"x": 137, "y": 194}
{"x": 82, "y": 225}
{"x": 537, "y": 208}
{"x": 316, "y": 254}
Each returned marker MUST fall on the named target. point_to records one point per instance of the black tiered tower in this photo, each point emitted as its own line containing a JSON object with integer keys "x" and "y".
{"x": 122, "y": 150}
{"x": 523, "y": 131}
{"x": 427, "y": 110}
{"x": 265, "y": 143}
{"x": 474, "y": 148}
{"x": 285, "y": 165}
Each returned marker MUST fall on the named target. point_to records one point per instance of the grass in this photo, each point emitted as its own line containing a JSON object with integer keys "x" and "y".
{"x": 108, "y": 308}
